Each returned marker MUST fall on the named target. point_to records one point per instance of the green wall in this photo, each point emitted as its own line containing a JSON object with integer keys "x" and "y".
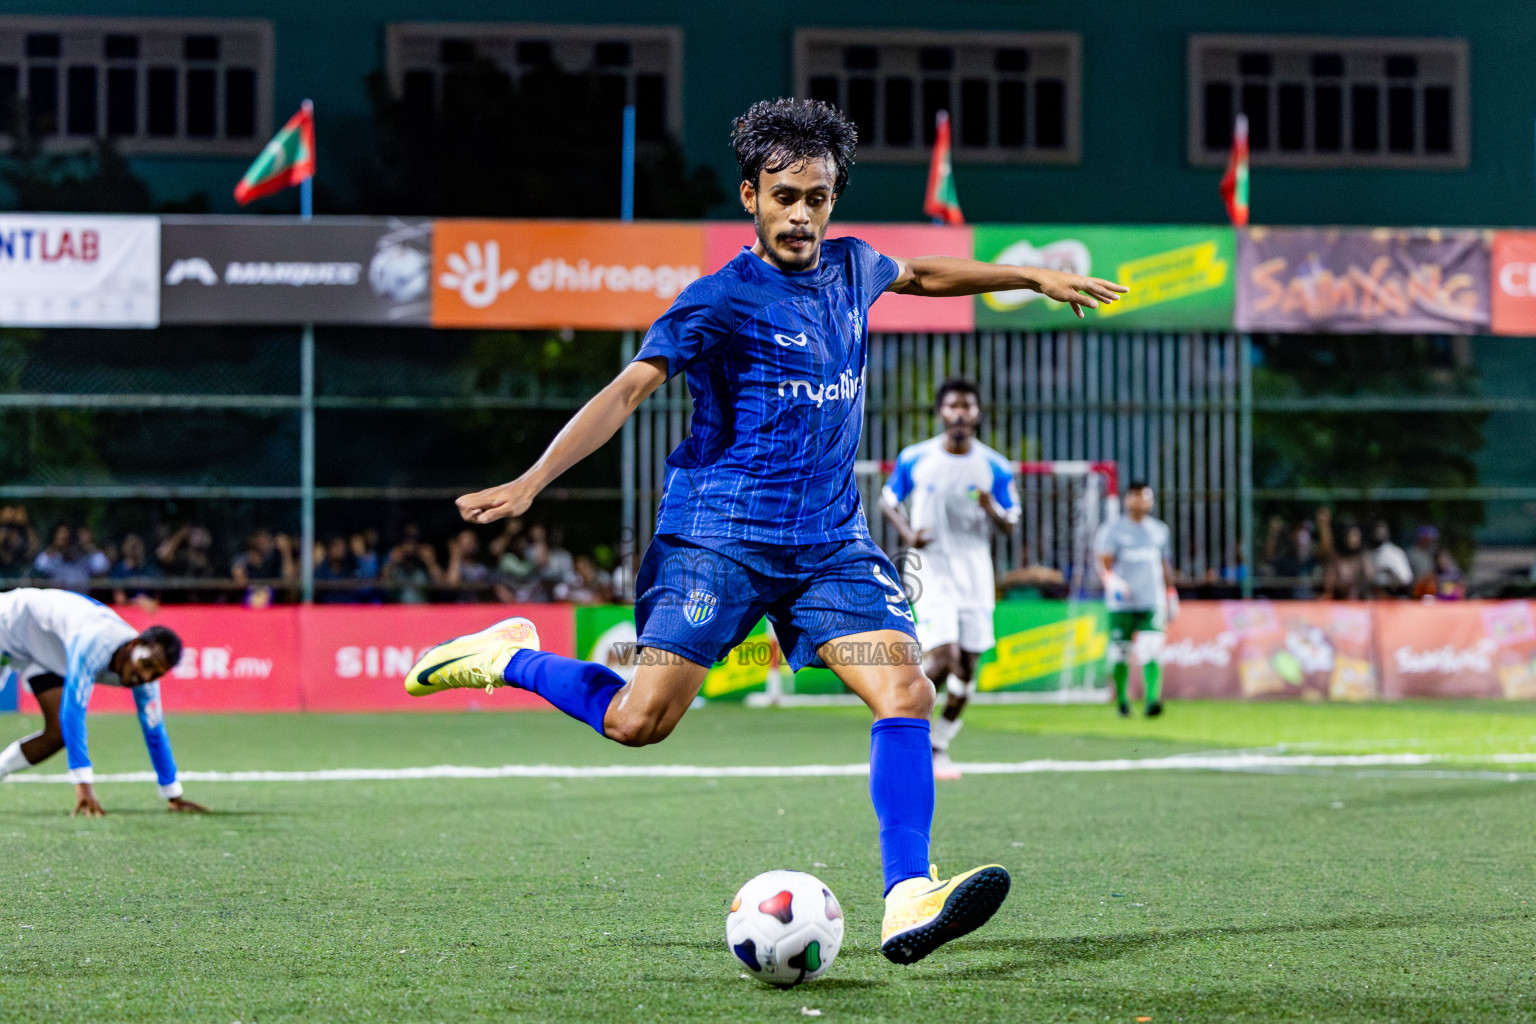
{"x": 1133, "y": 168}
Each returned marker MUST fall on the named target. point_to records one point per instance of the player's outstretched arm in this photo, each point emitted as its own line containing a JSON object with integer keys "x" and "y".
{"x": 588, "y": 430}
{"x": 950, "y": 275}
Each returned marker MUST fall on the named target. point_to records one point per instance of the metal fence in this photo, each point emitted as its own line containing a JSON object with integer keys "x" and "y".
{"x": 1168, "y": 408}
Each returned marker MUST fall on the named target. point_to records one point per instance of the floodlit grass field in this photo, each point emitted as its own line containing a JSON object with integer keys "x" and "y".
{"x": 1337, "y": 895}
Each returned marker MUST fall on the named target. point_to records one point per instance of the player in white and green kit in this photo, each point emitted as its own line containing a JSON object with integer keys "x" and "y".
{"x": 1133, "y": 554}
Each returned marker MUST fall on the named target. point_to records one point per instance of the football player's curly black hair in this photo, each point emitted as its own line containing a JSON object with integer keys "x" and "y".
{"x": 777, "y": 134}
{"x": 169, "y": 642}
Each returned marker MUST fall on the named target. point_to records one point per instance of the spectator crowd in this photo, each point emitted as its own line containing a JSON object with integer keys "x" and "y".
{"x": 525, "y": 562}
{"x": 1351, "y": 561}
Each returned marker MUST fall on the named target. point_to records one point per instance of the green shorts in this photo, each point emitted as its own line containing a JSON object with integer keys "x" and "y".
{"x": 1123, "y": 626}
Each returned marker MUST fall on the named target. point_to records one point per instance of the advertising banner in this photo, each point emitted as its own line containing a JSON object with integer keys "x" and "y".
{"x": 9, "y": 685}
{"x": 341, "y": 270}
{"x": 232, "y": 660}
{"x": 893, "y": 313}
{"x": 1381, "y": 281}
{"x": 606, "y": 634}
{"x": 593, "y": 275}
{"x": 1476, "y": 649}
{"x": 1262, "y": 650}
{"x": 1514, "y": 282}
{"x": 66, "y": 270}
{"x": 1045, "y": 645}
{"x": 1180, "y": 277}
{"x": 355, "y": 659}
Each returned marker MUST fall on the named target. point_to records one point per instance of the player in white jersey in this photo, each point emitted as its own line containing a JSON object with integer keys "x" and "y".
{"x": 1135, "y": 566}
{"x": 959, "y": 492}
{"x": 62, "y": 644}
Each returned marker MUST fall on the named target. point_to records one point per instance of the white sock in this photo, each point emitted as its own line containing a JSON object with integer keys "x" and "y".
{"x": 942, "y": 731}
{"x": 12, "y": 759}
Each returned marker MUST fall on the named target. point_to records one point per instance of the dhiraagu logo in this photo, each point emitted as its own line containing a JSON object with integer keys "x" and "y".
{"x": 843, "y": 388}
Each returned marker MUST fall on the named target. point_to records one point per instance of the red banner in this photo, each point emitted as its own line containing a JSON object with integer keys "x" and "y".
{"x": 355, "y": 659}
{"x": 1478, "y": 649}
{"x": 892, "y": 312}
{"x": 322, "y": 658}
{"x": 1267, "y": 651}
{"x": 1514, "y": 282}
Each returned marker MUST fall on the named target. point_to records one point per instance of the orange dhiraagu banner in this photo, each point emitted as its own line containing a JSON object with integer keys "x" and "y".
{"x": 1514, "y": 282}
{"x": 593, "y": 275}
{"x": 891, "y": 312}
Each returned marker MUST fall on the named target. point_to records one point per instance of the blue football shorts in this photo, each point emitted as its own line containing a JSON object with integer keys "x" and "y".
{"x": 699, "y": 597}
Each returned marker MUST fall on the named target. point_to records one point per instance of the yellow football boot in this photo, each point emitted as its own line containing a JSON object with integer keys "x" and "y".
{"x": 473, "y": 661}
{"x": 921, "y": 914}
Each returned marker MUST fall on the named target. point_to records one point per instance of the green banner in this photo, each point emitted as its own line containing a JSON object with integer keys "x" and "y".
{"x": 1180, "y": 277}
{"x": 1045, "y": 645}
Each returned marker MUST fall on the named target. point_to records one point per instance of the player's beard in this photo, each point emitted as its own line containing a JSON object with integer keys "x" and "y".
{"x": 789, "y": 261}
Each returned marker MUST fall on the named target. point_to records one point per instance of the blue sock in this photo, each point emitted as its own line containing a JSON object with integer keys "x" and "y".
{"x": 581, "y": 689}
{"x": 901, "y": 786}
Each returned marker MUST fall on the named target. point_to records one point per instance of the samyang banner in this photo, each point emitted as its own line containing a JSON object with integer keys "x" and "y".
{"x": 67, "y": 270}
{"x": 1363, "y": 281}
{"x": 271, "y": 270}
{"x": 1180, "y": 277}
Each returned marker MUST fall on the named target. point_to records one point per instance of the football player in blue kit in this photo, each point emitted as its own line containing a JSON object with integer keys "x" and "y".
{"x": 760, "y": 514}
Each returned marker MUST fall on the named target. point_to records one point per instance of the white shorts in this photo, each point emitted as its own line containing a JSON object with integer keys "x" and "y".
{"x": 940, "y": 623}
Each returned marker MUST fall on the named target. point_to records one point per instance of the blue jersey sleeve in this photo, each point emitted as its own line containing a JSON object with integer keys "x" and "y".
{"x": 873, "y": 271}
{"x": 688, "y": 330}
{"x": 146, "y": 698}
{"x": 1005, "y": 490}
{"x": 79, "y": 681}
{"x": 899, "y": 486}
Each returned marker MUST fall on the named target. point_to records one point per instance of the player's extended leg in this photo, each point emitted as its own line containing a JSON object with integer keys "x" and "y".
{"x": 39, "y": 746}
{"x": 922, "y": 912}
{"x": 1148, "y": 651}
{"x": 644, "y": 710}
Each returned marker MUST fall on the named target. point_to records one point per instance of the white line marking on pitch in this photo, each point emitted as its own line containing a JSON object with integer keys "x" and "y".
{"x": 1176, "y": 762}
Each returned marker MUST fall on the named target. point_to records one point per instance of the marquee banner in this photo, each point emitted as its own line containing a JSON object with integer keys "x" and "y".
{"x": 270, "y": 270}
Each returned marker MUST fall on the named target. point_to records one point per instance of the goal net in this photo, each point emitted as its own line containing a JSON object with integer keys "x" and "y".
{"x": 1048, "y": 649}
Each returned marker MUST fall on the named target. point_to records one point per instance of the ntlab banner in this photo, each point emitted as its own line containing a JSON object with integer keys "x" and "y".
{"x": 1045, "y": 645}
{"x": 893, "y": 313}
{"x": 1377, "y": 281}
{"x": 266, "y": 270}
{"x": 62, "y": 270}
{"x": 593, "y": 275}
{"x": 1179, "y": 277}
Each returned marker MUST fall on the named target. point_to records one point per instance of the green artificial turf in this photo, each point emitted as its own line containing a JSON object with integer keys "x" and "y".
{"x": 1187, "y": 896}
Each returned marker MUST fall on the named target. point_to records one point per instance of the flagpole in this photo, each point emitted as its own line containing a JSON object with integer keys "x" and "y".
{"x": 627, "y": 484}
{"x": 307, "y": 422}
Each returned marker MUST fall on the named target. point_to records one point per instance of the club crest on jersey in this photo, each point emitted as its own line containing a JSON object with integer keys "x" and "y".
{"x": 700, "y": 607}
{"x": 787, "y": 340}
{"x": 856, "y": 323}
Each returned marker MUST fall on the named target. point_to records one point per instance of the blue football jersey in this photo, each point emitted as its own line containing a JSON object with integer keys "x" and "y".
{"x": 775, "y": 364}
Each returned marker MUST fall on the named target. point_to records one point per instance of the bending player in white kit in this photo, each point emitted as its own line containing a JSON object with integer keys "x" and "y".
{"x": 960, "y": 491}
{"x": 62, "y": 644}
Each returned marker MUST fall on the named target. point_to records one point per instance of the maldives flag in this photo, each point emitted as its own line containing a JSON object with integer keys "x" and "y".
{"x": 287, "y": 160}
{"x": 941, "y": 202}
{"x": 1234, "y": 183}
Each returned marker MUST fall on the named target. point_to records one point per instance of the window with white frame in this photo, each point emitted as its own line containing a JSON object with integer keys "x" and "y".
{"x": 635, "y": 65}
{"x": 1330, "y": 101}
{"x": 151, "y": 85}
{"x": 1012, "y": 97}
